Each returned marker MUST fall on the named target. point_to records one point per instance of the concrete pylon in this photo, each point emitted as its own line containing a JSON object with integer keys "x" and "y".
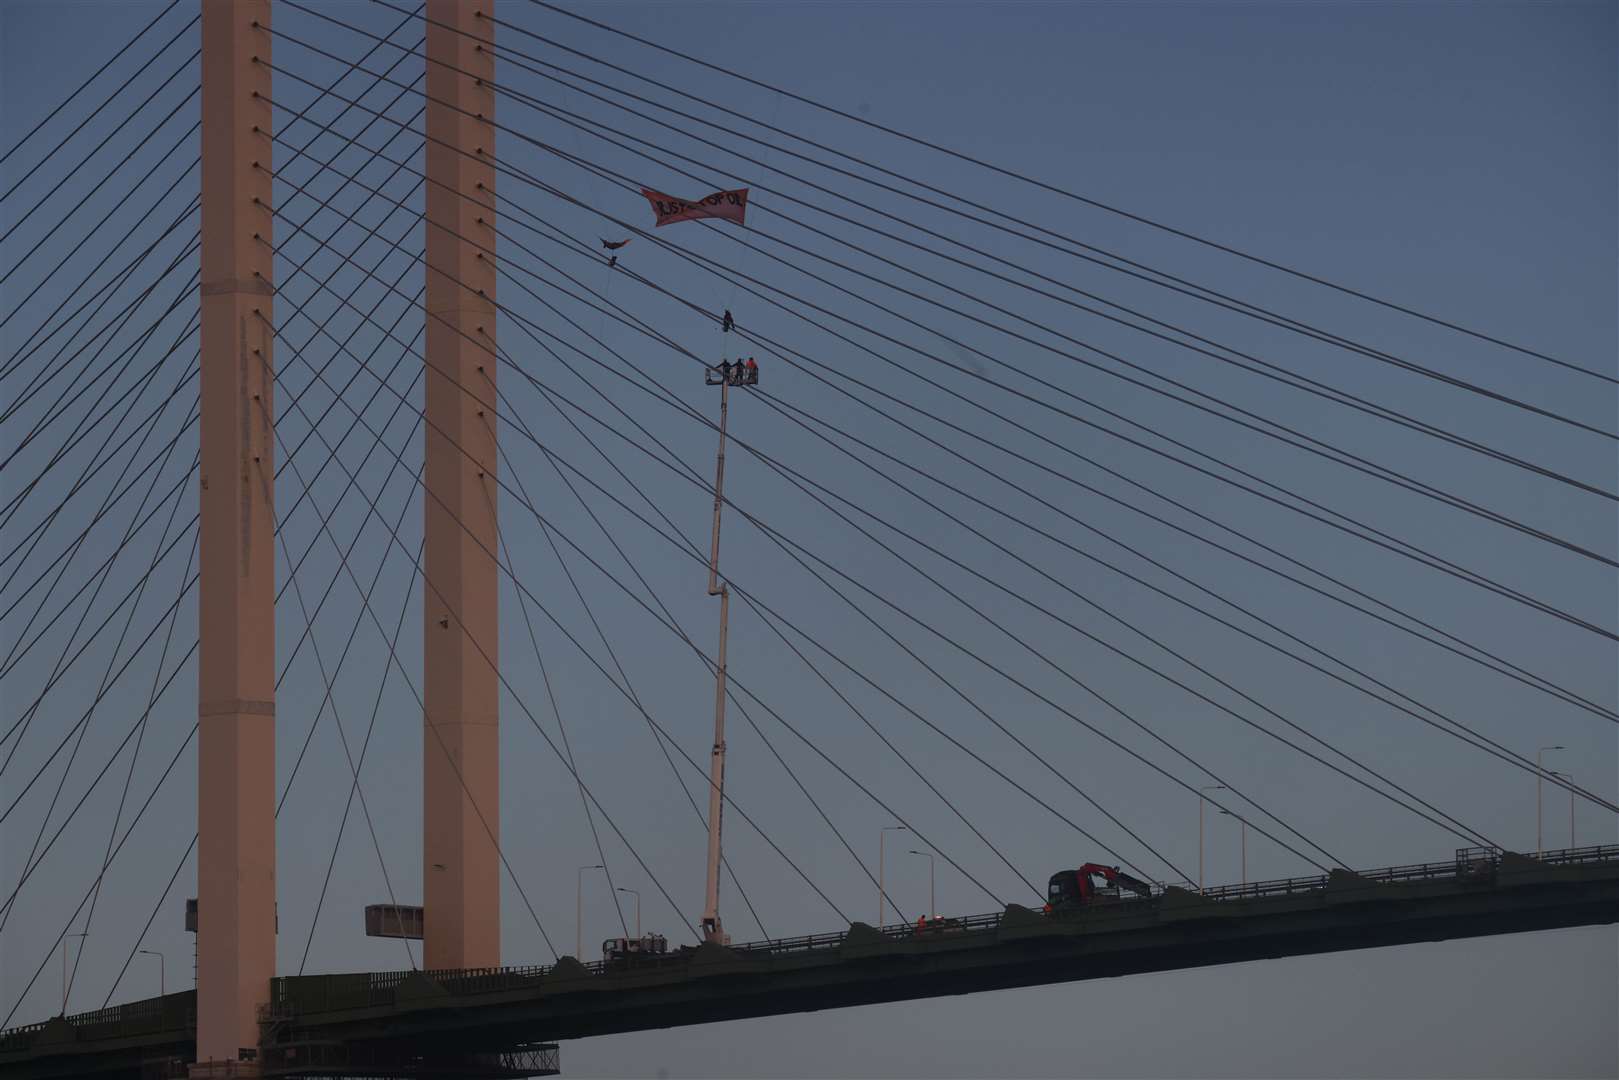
{"x": 236, "y": 597}
{"x": 461, "y": 726}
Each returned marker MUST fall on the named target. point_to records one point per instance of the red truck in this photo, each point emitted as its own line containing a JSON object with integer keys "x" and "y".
{"x": 1092, "y": 883}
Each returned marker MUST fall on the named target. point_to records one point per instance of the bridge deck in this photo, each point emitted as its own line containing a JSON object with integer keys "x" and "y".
{"x": 422, "y": 1016}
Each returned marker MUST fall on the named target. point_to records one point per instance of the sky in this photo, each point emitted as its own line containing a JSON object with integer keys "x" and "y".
{"x": 1458, "y": 159}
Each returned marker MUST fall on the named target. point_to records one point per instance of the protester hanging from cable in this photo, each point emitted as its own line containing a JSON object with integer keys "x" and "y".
{"x": 725, "y": 326}
{"x": 613, "y": 246}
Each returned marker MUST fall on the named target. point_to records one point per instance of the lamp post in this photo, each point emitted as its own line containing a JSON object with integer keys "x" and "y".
{"x": 1539, "y": 774}
{"x": 637, "y": 896}
{"x": 579, "y": 910}
{"x": 81, "y": 938}
{"x": 1200, "y": 799}
{"x": 933, "y": 906}
{"x": 162, "y": 988}
{"x": 1244, "y": 833}
{"x": 1570, "y": 778}
{"x": 882, "y": 896}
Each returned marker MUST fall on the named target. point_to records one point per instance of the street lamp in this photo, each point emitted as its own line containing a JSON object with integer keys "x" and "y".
{"x": 161, "y": 981}
{"x": 1570, "y": 778}
{"x": 1244, "y": 831}
{"x": 933, "y": 906}
{"x": 882, "y": 897}
{"x": 81, "y": 938}
{"x": 1200, "y": 791}
{"x": 579, "y": 910}
{"x": 1539, "y": 776}
{"x": 637, "y": 896}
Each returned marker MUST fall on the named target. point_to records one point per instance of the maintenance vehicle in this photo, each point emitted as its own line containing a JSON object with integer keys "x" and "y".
{"x": 1092, "y": 883}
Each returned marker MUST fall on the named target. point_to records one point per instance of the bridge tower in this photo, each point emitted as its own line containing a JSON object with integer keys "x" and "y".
{"x": 460, "y": 641}
{"x": 236, "y": 598}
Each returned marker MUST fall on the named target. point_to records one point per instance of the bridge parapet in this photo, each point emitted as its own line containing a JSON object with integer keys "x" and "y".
{"x": 172, "y": 1013}
{"x": 1179, "y": 903}
{"x": 1470, "y": 864}
{"x": 712, "y": 958}
{"x": 1018, "y": 921}
{"x": 1472, "y": 869}
{"x": 488, "y": 1010}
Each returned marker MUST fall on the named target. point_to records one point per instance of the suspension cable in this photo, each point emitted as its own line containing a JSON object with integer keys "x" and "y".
{"x": 1427, "y": 559}
{"x": 543, "y": 187}
{"x": 1342, "y": 397}
{"x": 1520, "y": 674}
{"x": 93, "y": 77}
{"x": 1339, "y": 770}
{"x": 1062, "y": 192}
{"x": 475, "y": 397}
{"x": 96, "y": 112}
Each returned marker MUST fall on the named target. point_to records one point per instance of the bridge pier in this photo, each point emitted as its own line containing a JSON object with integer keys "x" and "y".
{"x": 461, "y": 625}
{"x": 236, "y": 597}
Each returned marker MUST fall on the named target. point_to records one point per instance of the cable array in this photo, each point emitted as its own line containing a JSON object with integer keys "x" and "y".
{"x": 1020, "y": 553}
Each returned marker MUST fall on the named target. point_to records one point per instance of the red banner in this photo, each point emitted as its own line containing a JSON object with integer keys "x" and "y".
{"x": 727, "y": 205}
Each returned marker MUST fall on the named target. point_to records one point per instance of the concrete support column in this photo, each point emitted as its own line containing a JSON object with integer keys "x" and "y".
{"x": 461, "y": 736}
{"x": 236, "y": 605}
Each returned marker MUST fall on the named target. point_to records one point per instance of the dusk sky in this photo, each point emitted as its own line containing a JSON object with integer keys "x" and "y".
{"x": 1458, "y": 159}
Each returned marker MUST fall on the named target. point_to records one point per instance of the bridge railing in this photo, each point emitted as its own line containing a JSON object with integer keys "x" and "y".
{"x": 173, "y": 1012}
{"x": 804, "y": 943}
{"x": 379, "y": 988}
{"x": 1317, "y": 882}
{"x": 177, "y": 1012}
{"x": 21, "y": 1037}
{"x": 944, "y": 926}
{"x": 1469, "y": 862}
{"x": 1586, "y": 854}
{"x": 363, "y": 989}
{"x": 1274, "y": 887}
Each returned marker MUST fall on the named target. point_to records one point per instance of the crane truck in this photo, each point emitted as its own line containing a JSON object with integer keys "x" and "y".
{"x": 1092, "y": 883}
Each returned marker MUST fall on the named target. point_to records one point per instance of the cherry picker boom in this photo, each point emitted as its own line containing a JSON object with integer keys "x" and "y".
{"x": 725, "y": 376}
